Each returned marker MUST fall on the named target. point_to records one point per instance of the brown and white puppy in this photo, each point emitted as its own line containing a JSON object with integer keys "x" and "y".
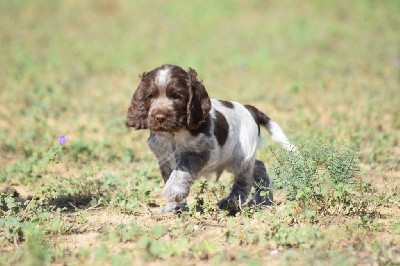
{"x": 192, "y": 135}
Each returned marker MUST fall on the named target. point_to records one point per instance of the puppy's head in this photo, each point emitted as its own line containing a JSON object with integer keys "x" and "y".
{"x": 168, "y": 99}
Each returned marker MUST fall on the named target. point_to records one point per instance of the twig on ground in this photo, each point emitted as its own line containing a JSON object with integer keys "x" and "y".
{"x": 146, "y": 208}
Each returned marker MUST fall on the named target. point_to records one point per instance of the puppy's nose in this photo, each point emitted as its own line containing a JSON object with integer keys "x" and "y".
{"x": 160, "y": 117}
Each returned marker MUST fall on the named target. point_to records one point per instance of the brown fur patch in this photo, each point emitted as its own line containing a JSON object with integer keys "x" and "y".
{"x": 204, "y": 128}
{"x": 259, "y": 117}
{"x": 199, "y": 104}
{"x": 226, "y": 104}
{"x": 221, "y": 128}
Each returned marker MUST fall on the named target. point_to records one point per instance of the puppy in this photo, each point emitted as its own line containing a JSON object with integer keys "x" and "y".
{"x": 192, "y": 135}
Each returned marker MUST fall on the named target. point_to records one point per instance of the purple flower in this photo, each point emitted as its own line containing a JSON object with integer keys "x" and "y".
{"x": 62, "y": 139}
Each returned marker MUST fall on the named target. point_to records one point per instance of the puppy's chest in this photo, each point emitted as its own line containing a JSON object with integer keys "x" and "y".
{"x": 161, "y": 143}
{"x": 171, "y": 149}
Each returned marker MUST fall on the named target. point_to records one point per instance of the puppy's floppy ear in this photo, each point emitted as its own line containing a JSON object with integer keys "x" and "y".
{"x": 137, "y": 113}
{"x": 199, "y": 103}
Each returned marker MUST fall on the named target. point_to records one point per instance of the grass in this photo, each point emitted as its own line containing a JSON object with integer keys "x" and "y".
{"x": 327, "y": 72}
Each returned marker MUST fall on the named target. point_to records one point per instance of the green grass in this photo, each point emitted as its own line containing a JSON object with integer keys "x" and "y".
{"x": 326, "y": 71}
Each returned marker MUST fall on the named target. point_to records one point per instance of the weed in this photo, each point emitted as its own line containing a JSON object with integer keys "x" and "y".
{"x": 322, "y": 178}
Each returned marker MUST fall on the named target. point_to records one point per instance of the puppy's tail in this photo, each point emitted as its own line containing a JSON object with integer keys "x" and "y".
{"x": 277, "y": 135}
{"x": 273, "y": 128}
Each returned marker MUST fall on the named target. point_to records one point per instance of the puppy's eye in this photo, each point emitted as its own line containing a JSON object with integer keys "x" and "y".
{"x": 149, "y": 96}
{"x": 177, "y": 96}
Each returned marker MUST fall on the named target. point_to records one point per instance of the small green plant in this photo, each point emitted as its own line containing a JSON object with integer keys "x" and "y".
{"x": 341, "y": 163}
{"x": 321, "y": 177}
{"x": 18, "y": 219}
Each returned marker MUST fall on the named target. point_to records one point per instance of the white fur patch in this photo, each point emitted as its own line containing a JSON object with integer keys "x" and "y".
{"x": 178, "y": 185}
{"x": 248, "y": 132}
{"x": 278, "y": 136}
{"x": 163, "y": 77}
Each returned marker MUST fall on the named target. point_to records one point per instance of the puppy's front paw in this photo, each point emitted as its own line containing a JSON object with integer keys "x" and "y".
{"x": 175, "y": 192}
{"x": 174, "y": 208}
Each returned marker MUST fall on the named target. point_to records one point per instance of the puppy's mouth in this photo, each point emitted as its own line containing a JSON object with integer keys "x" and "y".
{"x": 167, "y": 126}
{"x": 163, "y": 129}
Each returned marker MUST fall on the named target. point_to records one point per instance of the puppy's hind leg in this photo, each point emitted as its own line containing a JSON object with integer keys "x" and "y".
{"x": 240, "y": 190}
{"x": 263, "y": 190}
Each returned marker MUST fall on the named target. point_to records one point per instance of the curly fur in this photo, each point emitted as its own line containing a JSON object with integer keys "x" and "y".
{"x": 199, "y": 103}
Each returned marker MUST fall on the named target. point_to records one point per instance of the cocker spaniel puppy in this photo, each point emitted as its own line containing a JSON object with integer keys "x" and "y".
{"x": 192, "y": 135}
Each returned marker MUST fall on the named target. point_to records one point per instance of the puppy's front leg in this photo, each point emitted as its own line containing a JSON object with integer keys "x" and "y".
{"x": 176, "y": 190}
{"x": 177, "y": 187}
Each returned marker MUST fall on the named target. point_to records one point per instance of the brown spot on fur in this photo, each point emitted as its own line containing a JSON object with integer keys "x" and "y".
{"x": 259, "y": 117}
{"x": 221, "y": 128}
{"x": 204, "y": 128}
{"x": 226, "y": 104}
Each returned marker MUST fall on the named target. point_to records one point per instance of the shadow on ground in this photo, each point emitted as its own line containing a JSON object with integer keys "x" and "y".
{"x": 69, "y": 203}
